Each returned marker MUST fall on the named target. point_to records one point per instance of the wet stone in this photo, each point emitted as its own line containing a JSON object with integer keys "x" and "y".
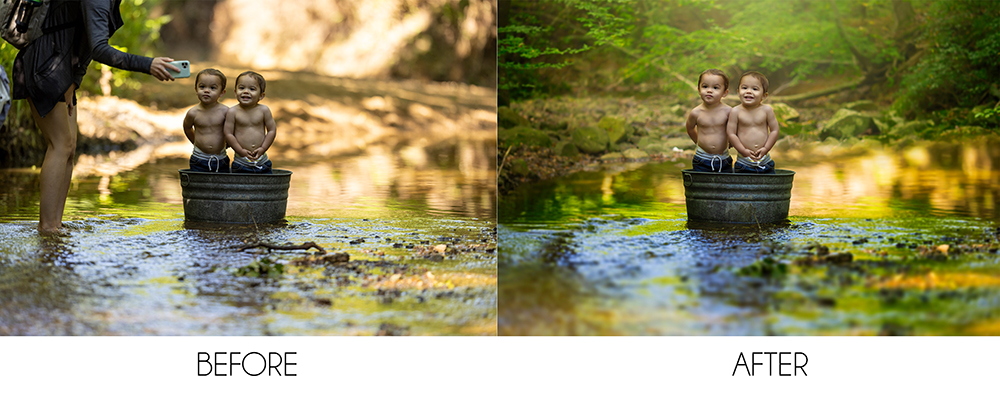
{"x": 826, "y": 302}
{"x": 388, "y": 329}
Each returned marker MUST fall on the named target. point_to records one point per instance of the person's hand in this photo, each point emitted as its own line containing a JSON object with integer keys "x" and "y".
{"x": 159, "y": 69}
{"x": 69, "y": 99}
{"x": 257, "y": 153}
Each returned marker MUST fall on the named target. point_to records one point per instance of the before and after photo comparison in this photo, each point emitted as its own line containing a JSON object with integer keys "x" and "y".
{"x": 750, "y": 185}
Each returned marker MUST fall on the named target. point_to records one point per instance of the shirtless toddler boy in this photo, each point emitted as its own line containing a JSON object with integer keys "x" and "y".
{"x": 204, "y": 122}
{"x": 706, "y": 124}
{"x": 250, "y": 128}
{"x": 752, "y": 127}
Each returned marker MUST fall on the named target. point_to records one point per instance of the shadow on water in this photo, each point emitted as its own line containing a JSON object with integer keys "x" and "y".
{"x": 878, "y": 242}
{"x": 410, "y": 249}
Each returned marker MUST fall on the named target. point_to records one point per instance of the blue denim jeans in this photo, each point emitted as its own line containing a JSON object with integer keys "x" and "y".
{"x": 762, "y": 168}
{"x": 210, "y": 165}
{"x": 261, "y": 168}
{"x": 712, "y": 165}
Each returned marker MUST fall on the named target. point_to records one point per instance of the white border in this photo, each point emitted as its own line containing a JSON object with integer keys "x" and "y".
{"x": 533, "y": 365}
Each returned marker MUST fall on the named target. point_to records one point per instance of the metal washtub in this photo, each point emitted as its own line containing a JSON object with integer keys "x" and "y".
{"x": 738, "y": 197}
{"x": 234, "y": 198}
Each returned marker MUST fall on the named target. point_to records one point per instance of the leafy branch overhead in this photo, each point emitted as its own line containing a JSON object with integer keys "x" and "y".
{"x": 529, "y": 36}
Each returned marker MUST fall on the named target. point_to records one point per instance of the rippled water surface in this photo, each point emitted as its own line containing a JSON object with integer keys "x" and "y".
{"x": 418, "y": 224}
{"x": 879, "y": 241}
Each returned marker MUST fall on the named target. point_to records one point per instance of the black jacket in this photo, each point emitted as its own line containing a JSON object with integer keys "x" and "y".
{"x": 46, "y": 67}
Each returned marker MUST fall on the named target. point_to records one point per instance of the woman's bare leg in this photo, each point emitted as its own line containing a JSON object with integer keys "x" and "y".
{"x": 57, "y": 167}
{"x": 74, "y": 129}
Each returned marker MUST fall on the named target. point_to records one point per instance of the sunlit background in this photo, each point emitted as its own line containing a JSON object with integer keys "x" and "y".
{"x": 386, "y": 115}
{"x": 377, "y": 104}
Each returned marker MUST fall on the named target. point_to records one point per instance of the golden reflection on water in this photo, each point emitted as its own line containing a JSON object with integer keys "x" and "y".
{"x": 452, "y": 180}
{"x": 936, "y": 178}
{"x": 378, "y": 179}
{"x": 952, "y": 180}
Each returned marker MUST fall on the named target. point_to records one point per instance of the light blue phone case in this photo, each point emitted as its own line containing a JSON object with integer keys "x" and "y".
{"x": 185, "y": 67}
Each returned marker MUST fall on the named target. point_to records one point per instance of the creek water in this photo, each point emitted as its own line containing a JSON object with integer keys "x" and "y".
{"x": 880, "y": 240}
{"x": 418, "y": 224}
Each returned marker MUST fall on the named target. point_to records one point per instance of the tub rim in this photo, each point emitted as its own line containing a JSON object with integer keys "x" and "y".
{"x": 185, "y": 174}
{"x": 688, "y": 174}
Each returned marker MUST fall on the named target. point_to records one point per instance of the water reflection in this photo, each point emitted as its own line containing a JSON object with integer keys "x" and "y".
{"x": 936, "y": 178}
{"x": 943, "y": 179}
{"x": 417, "y": 221}
{"x": 857, "y": 255}
{"x": 444, "y": 180}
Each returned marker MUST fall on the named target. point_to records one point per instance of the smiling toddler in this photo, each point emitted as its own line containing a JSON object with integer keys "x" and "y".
{"x": 752, "y": 127}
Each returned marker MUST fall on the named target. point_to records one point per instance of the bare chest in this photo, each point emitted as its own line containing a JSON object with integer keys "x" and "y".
{"x": 752, "y": 118}
{"x": 210, "y": 118}
{"x": 244, "y": 118}
{"x": 712, "y": 119}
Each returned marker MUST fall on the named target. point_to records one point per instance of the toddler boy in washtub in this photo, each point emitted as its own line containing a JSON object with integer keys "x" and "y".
{"x": 204, "y": 122}
{"x": 752, "y": 127}
{"x": 706, "y": 124}
{"x": 250, "y": 128}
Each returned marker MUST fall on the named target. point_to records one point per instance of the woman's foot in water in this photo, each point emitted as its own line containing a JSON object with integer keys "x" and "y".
{"x": 57, "y": 231}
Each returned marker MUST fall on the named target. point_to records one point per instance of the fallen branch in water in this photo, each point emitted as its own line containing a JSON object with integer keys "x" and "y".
{"x": 303, "y": 246}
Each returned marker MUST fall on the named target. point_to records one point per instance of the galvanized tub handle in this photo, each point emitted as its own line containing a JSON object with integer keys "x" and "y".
{"x": 185, "y": 180}
{"x": 687, "y": 180}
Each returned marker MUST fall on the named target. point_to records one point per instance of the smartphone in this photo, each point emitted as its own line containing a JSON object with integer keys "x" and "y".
{"x": 185, "y": 67}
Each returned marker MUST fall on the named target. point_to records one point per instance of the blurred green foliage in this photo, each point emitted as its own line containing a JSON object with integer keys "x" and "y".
{"x": 530, "y": 43}
{"x": 923, "y": 55}
{"x": 139, "y": 36}
{"x": 652, "y": 42}
{"x": 962, "y": 60}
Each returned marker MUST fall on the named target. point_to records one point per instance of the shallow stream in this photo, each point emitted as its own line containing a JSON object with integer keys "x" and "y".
{"x": 417, "y": 223}
{"x": 890, "y": 241}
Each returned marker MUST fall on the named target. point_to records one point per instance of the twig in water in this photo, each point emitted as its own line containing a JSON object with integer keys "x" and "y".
{"x": 303, "y": 246}
{"x": 502, "y": 161}
{"x": 754, "y": 213}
